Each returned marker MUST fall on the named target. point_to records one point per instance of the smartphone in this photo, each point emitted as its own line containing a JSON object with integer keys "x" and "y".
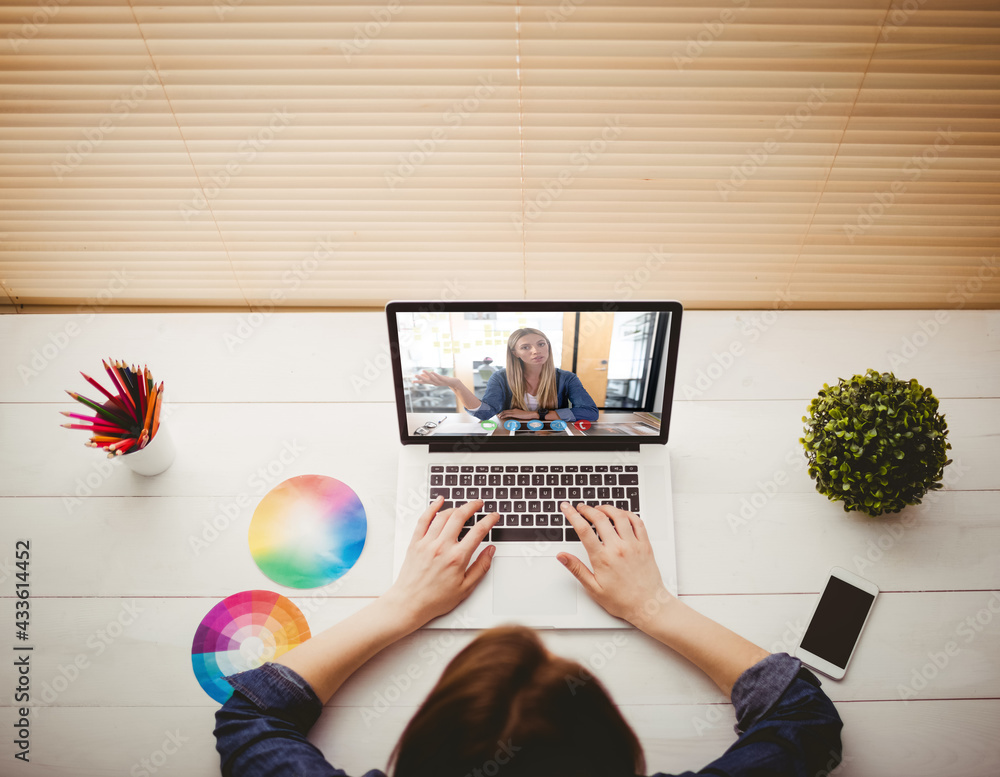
{"x": 836, "y": 623}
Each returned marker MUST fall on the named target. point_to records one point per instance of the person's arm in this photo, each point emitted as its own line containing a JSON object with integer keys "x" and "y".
{"x": 627, "y": 583}
{"x": 434, "y": 579}
{"x": 470, "y": 401}
{"x": 582, "y": 406}
{"x": 494, "y": 397}
{"x": 784, "y": 721}
{"x": 493, "y": 401}
{"x": 262, "y": 729}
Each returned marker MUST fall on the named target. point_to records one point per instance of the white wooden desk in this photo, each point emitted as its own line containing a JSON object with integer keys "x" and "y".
{"x": 124, "y": 567}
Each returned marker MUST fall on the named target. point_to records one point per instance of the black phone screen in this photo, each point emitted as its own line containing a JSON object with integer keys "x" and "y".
{"x": 837, "y": 622}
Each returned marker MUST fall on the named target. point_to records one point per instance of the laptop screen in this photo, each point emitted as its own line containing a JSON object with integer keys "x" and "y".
{"x": 567, "y": 374}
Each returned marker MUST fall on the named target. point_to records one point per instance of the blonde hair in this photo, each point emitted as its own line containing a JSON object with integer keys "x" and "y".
{"x": 547, "y": 395}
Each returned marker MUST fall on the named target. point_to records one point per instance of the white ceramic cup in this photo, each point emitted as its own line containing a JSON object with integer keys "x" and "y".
{"x": 157, "y": 456}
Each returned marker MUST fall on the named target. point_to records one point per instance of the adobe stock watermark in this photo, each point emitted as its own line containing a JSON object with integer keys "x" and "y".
{"x": 751, "y": 330}
{"x": 32, "y": 25}
{"x": 786, "y": 643}
{"x": 750, "y": 506}
{"x": 460, "y": 111}
{"x": 149, "y": 765}
{"x": 968, "y": 629}
{"x": 247, "y": 152}
{"x": 57, "y": 342}
{"x": 796, "y": 460}
{"x": 928, "y": 328}
{"x": 503, "y": 755}
{"x": 103, "y": 467}
{"x": 566, "y": 9}
{"x": 257, "y": 483}
{"x": 375, "y": 366}
{"x": 757, "y": 157}
{"x": 432, "y": 654}
{"x": 94, "y": 137}
{"x": 914, "y": 168}
{"x": 222, "y": 7}
{"x": 312, "y": 604}
{"x": 961, "y": 293}
{"x": 97, "y": 642}
{"x": 602, "y": 655}
{"x": 364, "y": 35}
{"x": 585, "y": 155}
{"x": 291, "y": 280}
{"x": 900, "y": 16}
{"x": 636, "y": 279}
{"x": 892, "y": 532}
{"x": 711, "y": 32}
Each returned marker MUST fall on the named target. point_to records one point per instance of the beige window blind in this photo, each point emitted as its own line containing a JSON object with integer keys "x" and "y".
{"x": 737, "y": 153}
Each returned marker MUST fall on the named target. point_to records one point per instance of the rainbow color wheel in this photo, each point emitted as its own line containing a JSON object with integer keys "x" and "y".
{"x": 308, "y": 531}
{"x": 242, "y": 632}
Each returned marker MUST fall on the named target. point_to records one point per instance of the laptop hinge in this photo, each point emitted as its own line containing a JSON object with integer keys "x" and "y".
{"x": 471, "y": 447}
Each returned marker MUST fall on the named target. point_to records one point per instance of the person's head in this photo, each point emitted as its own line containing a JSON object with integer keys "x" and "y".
{"x": 506, "y": 706}
{"x": 529, "y": 349}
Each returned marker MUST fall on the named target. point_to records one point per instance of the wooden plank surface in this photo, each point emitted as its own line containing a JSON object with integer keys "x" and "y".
{"x": 926, "y": 739}
{"x": 342, "y": 357}
{"x": 124, "y": 567}
{"x": 112, "y": 638}
{"x": 225, "y": 450}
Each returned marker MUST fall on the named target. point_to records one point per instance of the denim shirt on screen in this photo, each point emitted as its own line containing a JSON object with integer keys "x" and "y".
{"x": 786, "y": 725}
{"x": 569, "y": 392}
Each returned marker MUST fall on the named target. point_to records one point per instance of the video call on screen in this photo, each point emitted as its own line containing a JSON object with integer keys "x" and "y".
{"x": 613, "y": 354}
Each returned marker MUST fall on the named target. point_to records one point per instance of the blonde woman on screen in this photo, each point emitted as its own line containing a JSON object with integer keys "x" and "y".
{"x": 530, "y": 387}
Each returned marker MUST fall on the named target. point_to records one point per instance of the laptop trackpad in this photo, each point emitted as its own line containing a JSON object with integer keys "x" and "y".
{"x": 536, "y": 585}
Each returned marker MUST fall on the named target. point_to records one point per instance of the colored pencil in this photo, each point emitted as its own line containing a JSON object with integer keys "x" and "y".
{"x": 108, "y": 437}
{"x": 102, "y": 411}
{"x": 156, "y": 411}
{"x": 147, "y": 422}
{"x": 122, "y": 447}
{"x": 91, "y": 419}
{"x": 130, "y": 381}
{"x": 117, "y": 380}
{"x": 143, "y": 392}
{"x": 129, "y": 419}
{"x": 133, "y": 389}
{"x": 99, "y": 387}
{"x": 96, "y": 429}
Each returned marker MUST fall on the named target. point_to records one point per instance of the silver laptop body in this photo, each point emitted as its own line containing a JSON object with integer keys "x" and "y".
{"x": 626, "y": 443}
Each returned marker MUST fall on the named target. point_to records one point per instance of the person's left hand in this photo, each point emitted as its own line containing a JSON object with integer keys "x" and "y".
{"x": 436, "y": 576}
{"x": 518, "y": 415}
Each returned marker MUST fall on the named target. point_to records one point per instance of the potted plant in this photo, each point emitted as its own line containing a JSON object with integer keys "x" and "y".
{"x": 875, "y": 442}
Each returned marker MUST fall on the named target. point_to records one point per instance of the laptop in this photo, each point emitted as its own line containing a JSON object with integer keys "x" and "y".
{"x": 525, "y": 404}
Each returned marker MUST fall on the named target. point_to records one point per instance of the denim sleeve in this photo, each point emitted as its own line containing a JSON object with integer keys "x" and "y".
{"x": 582, "y": 404}
{"x": 494, "y": 398}
{"x": 261, "y": 730}
{"x": 786, "y": 724}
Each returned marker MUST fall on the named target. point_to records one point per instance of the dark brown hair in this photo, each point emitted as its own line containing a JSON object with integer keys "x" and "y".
{"x": 505, "y": 706}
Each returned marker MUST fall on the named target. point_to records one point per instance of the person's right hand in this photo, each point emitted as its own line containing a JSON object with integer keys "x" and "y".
{"x": 626, "y": 581}
{"x": 434, "y": 378}
{"x": 436, "y": 575}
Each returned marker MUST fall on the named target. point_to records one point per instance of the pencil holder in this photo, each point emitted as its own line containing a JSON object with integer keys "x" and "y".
{"x": 128, "y": 421}
{"x": 156, "y": 457}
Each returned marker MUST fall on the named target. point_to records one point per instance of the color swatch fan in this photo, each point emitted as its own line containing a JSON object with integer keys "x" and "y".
{"x": 308, "y": 531}
{"x": 242, "y": 632}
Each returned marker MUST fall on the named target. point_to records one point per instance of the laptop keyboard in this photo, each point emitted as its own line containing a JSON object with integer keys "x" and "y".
{"x": 527, "y": 496}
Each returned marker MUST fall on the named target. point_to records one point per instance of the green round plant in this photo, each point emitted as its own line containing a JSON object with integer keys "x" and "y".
{"x": 875, "y": 442}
